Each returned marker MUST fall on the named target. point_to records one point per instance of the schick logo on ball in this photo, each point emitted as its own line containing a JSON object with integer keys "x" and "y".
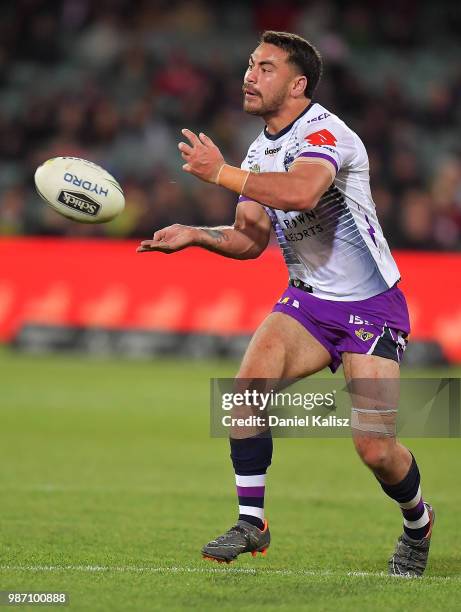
{"x": 80, "y": 202}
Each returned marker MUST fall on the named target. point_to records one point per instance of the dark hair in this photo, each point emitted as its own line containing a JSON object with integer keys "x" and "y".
{"x": 301, "y": 53}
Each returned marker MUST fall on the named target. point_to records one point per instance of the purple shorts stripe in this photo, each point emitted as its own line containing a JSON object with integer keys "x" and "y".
{"x": 250, "y": 491}
{"x": 322, "y": 155}
{"x": 243, "y": 198}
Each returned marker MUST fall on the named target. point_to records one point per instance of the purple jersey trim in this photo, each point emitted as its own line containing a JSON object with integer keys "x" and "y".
{"x": 243, "y": 198}
{"x": 323, "y": 155}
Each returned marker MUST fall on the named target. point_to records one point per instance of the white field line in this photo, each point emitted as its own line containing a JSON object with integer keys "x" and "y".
{"x": 207, "y": 570}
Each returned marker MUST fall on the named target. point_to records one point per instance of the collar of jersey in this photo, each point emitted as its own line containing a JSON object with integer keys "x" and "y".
{"x": 288, "y": 127}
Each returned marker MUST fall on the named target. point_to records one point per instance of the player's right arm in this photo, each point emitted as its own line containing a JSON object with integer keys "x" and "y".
{"x": 246, "y": 239}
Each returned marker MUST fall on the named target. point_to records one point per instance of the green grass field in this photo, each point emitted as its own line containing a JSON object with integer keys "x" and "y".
{"x": 110, "y": 485}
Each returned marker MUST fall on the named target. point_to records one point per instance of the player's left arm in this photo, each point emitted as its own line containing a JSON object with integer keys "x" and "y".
{"x": 299, "y": 189}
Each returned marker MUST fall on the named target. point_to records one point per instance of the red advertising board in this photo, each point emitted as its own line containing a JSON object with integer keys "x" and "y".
{"x": 100, "y": 283}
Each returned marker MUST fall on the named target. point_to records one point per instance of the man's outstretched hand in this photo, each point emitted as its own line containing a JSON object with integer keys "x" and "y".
{"x": 203, "y": 158}
{"x": 170, "y": 239}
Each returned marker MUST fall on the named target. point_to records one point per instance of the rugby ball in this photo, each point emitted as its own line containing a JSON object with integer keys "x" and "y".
{"x": 79, "y": 190}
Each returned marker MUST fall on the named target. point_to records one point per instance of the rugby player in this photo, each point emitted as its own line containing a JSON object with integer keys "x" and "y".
{"x": 306, "y": 176}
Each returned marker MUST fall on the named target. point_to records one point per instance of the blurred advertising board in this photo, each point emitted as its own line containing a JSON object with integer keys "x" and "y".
{"x": 106, "y": 285}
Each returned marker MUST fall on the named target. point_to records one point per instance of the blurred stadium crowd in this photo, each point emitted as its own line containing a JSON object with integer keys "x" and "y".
{"x": 115, "y": 81}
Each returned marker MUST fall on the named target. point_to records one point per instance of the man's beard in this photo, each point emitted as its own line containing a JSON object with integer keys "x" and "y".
{"x": 267, "y": 108}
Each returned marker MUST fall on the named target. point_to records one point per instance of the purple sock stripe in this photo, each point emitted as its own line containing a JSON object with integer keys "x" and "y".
{"x": 250, "y": 491}
{"x": 413, "y": 514}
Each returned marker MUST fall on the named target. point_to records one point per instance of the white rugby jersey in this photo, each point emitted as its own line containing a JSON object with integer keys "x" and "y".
{"x": 338, "y": 247}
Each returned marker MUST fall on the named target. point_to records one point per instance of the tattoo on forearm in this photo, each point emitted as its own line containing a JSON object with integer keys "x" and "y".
{"x": 217, "y": 235}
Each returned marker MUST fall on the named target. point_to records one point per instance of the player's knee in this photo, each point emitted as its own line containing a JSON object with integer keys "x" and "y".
{"x": 374, "y": 452}
{"x": 265, "y": 360}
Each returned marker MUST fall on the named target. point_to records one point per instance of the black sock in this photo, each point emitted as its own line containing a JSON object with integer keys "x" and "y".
{"x": 251, "y": 457}
{"x": 407, "y": 494}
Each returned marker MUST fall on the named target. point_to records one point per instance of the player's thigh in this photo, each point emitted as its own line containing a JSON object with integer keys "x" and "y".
{"x": 357, "y": 365}
{"x": 282, "y": 348}
{"x": 374, "y": 389}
